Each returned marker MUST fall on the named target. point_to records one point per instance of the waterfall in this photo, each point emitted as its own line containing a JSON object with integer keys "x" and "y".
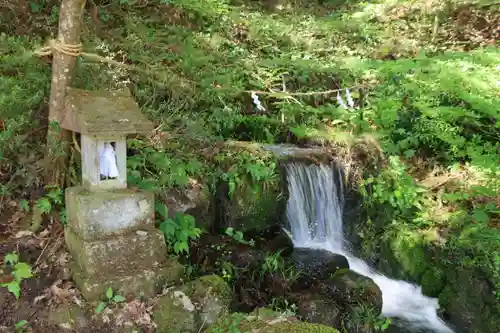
{"x": 314, "y": 213}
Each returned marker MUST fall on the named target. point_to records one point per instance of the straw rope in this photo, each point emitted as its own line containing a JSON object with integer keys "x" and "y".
{"x": 73, "y": 50}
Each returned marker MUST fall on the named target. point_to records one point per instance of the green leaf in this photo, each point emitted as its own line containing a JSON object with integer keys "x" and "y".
{"x": 161, "y": 209}
{"x": 481, "y": 216}
{"x": 24, "y": 204}
{"x": 15, "y": 288}
{"x": 21, "y": 324}
{"x": 55, "y": 195}
{"x": 44, "y": 205}
{"x": 168, "y": 227}
{"x": 22, "y": 271}
{"x": 118, "y": 299}
{"x": 11, "y": 258}
{"x": 109, "y": 293}
{"x": 100, "y": 307}
{"x": 409, "y": 153}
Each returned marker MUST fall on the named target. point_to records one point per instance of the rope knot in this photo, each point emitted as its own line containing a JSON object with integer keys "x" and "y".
{"x": 53, "y": 45}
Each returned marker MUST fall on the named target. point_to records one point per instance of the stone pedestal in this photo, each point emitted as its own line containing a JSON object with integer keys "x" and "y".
{"x": 114, "y": 243}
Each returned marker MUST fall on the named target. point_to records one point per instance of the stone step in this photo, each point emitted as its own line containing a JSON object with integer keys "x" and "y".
{"x": 140, "y": 249}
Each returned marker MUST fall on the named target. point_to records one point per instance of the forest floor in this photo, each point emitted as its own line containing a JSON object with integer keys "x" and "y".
{"x": 423, "y": 78}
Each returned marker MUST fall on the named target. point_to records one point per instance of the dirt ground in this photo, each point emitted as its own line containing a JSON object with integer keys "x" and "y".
{"x": 50, "y": 292}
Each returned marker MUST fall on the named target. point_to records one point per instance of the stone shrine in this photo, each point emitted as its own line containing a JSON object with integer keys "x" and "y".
{"x": 111, "y": 232}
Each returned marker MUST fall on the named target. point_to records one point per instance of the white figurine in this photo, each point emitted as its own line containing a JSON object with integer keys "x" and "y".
{"x": 107, "y": 161}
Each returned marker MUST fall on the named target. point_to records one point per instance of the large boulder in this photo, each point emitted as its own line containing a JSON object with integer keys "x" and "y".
{"x": 282, "y": 242}
{"x": 194, "y": 305}
{"x": 353, "y": 289}
{"x": 195, "y": 200}
{"x": 341, "y": 296}
{"x": 249, "y": 198}
{"x": 432, "y": 282}
{"x": 251, "y": 207}
{"x": 320, "y": 309}
{"x": 469, "y": 301}
{"x": 317, "y": 263}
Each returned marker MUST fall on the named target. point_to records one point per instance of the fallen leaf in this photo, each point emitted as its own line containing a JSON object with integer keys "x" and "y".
{"x": 23, "y": 233}
{"x": 39, "y": 298}
{"x": 17, "y": 216}
{"x": 64, "y": 293}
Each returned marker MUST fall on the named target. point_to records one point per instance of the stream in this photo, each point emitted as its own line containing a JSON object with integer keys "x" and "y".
{"x": 314, "y": 213}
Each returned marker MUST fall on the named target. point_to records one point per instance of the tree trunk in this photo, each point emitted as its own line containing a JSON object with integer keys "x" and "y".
{"x": 58, "y": 139}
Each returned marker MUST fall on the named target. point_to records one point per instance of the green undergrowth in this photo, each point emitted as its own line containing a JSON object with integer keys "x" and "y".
{"x": 423, "y": 77}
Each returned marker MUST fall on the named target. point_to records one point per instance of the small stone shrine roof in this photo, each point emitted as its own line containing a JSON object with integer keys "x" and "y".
{"x": 103, "y": 113}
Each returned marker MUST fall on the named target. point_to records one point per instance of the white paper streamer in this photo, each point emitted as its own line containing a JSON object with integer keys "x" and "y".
{"x": 257, "y": 103}
{"x": 348, "y": 96}
{"x": 107, "y": 161}
{"x": 341, "y": 101}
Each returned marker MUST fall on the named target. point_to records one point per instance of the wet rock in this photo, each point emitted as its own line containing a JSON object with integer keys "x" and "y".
{"x": 282, "y": 242}
{"x": 196, "y": 304}
{"x": 351, "y": 288}
{"x": 246, "y": 257}
{"x": 250, "y": 208}
{"x": 317, "y": 263}
{"x": 319, "y": 309}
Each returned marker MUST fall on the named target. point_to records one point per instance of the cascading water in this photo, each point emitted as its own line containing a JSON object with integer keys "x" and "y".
{"x": 314, "y": 212}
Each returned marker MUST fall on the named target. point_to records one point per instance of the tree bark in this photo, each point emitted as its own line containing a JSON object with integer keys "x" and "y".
{"x": 58, "y": 139}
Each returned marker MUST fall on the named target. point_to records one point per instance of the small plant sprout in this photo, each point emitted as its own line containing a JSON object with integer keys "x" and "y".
{"x": 238, "y": 236}
{"x": 111, "y": 298}
{"x": 19, "y": 272}
{"x": 21, "y": 326}
{"x": 179, "y": 230}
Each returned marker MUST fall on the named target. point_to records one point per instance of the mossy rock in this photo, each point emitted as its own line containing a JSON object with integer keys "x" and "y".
{"x": 354, "y": 289}
{"x": 247, "y": 324}
{"x": 68, "y": 315}
{"x": 175, "y": 313}
{"x": 212, "y": 295}
{"x": 265, "y": 314}
{"x": 410, "y": 254}
{"x": 208, "y": 284}
{"x": 319, "y": 309}
{"x": 469, "y": 301}
{"x": 251, "y": 207}
{"x": 432, "y": 282}
{"x": 198, "y": 303}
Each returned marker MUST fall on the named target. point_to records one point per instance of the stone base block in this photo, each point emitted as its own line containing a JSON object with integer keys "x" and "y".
{"x": 142, "y": 249}
{"x": 141, "y": 283}
{"x": 97, "y": 215}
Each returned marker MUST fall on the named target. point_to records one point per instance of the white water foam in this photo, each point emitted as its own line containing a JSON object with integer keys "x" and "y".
{"x": 314, "y": 212}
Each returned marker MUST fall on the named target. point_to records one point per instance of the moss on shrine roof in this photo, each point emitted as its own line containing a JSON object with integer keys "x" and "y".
{"x": 104, "y": 113}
